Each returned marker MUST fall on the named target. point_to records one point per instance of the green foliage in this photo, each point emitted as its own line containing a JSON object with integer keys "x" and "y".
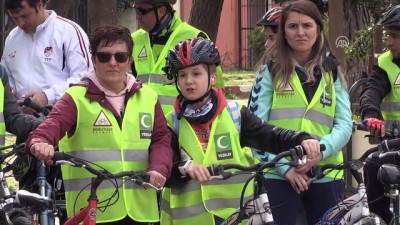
{"x": 359, "y": 48}
{"x": 256, "y": 41}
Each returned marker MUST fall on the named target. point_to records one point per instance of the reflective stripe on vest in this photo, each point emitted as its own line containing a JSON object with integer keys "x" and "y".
{"x": 2, "y": 124}
{"x": 130, "y": 155}
{"x": 294, "y": 113}
{"x": 390, "y": 106}
{"x": 84, "y": 183}
{"x": 199, "y": 201}
{"x": 290, "y": 109}
{"x": 100, "y": 139}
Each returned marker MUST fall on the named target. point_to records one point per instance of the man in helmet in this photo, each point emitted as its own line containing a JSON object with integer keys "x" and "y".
{"x": 270, "y": 21}
{"x": 161, "y": 29}
{"x": 379, "y": 107}
{"x": 206, "y": 128}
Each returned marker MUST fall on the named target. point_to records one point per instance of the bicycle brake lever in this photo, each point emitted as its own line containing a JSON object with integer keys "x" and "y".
{"x": 222, "y": 176}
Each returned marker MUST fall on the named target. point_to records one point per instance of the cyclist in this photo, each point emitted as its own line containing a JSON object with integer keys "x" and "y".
{"x": 115, "y": 122}
{"x": 161, "y": 29}
{"x": 13, "y": 120}
{"x": 302, "y": 88}
{"x": 378, "y": 103}
{"x": 270, "y": 21}
{"x": 212, "y": 130}
{"x": 42, "y": 69}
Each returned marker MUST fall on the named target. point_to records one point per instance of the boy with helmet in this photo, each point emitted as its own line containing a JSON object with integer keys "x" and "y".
{"x": 270, "y": 21}
{"x": 211, "y": 130}
{"x": 161, "y": 29}
{"x": 379, "y": 102}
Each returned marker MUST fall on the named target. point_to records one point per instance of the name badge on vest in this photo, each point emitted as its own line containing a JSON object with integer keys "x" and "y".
{"x": 145, "y": 125}
{"x": 326, "y": 101}
{"x": 223, "y": 146}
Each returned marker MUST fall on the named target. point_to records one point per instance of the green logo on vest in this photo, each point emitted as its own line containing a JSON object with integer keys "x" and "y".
{"x": 223, "y": 146}
{"x": 146, "y": 125}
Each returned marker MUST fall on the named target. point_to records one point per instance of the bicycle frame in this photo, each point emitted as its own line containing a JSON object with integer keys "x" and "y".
{"x": 257, "y": 211}
{"x": 87, "y": 215}
{"x": 46, "y": 216}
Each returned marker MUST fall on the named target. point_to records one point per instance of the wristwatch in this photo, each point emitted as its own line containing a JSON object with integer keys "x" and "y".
{"x": 183, "y": 165}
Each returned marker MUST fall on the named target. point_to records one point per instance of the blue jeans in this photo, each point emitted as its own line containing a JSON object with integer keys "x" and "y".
{"x": 286, "y": 203}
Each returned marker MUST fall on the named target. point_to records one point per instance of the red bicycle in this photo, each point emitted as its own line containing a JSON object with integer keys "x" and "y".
{"x": 87, "y": 215}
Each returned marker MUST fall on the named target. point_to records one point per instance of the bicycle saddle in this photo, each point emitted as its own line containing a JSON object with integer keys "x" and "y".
{"x": 389, "y": 174}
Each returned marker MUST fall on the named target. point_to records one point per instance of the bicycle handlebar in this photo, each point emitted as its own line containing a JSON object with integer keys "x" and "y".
{"x": 139, "y": 177}
{"x": 296, "y": 154}
{"x": 387, "y": 147}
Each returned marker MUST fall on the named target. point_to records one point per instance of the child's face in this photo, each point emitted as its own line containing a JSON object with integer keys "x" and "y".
{"x": 193, "y": 81}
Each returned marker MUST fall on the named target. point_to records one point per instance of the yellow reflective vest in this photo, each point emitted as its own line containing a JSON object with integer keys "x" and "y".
{"x": 149, "y": 66}
{"x": 195, "y": 203}
{"x": 291, "y": 110}
{"x": 2, "y": 123}
{"x": 99, "y": 139}
{"x": 390, "y": 106}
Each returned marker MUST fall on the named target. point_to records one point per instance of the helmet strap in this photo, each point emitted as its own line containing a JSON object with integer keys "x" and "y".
{"x": 159, "y": 26}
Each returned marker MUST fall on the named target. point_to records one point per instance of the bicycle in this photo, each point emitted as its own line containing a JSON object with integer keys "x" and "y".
{"x": 87, "y": 215}
{"x": 354, "y": 209}
{"x": 256, "y": 211}
{"x": 44, "y": 216}
{"x": 13, "y": 205}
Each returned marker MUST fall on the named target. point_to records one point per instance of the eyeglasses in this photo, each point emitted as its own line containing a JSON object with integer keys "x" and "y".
{"x": 120, "y": 57}
{"x": 142, "y": 12}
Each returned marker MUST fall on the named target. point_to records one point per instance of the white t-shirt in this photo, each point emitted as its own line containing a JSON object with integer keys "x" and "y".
{"x": 47, "y": 60}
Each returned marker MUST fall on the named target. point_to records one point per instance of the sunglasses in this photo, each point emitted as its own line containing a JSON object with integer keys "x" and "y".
{"x": 142, "y": 12}
{"x": 120, "y": 57}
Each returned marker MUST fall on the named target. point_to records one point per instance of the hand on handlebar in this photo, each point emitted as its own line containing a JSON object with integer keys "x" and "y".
{"x": 312, "y": 148}
{"x": 198, "y": 172}
{"x": 297, "y": 180}
{"x": 42, "y": 151}
{"x": 309, "y": 164}
{"x": 39, "y": 98}
{"x": 375, "y": 126}
{"x": 156, "y": 178}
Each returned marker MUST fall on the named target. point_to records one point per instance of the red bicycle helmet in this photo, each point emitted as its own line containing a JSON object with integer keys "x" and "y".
{"x": 271, "y": 18}
{"x": 191, "y": 52}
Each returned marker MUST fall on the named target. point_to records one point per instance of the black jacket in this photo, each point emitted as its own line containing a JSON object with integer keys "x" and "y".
{"x": 377, "y": 88}
{"x": 16, "y": 122}
{"x": 254, "y": 133}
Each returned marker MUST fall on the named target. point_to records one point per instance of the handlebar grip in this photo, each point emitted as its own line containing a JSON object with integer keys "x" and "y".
{"x": 61, "y": 156}
{"x": 387, "y": 145}
{"x": 28, "y": 102}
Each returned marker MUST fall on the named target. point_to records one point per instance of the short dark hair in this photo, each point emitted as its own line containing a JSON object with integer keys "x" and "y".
{"x": 107, "y": 35}
{"x": 16, "y": 4}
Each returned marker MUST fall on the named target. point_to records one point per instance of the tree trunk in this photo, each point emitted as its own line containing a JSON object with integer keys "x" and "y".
{"x": 205, "y": 15}
{"x": 60, "y": 7}
{"x": 102, "y": 12}
{"x": 356, "y": 17}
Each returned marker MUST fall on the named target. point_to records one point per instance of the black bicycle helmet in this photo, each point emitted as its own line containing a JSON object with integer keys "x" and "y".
{"x": 271, "y": 18}
{"x": 189, "y": 53}
{"x": 392, "y": 18}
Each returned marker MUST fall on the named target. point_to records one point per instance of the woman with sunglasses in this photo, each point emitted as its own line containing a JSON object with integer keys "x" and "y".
{"x": 161, "y": 29}
{"x": 115, "y": 122}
